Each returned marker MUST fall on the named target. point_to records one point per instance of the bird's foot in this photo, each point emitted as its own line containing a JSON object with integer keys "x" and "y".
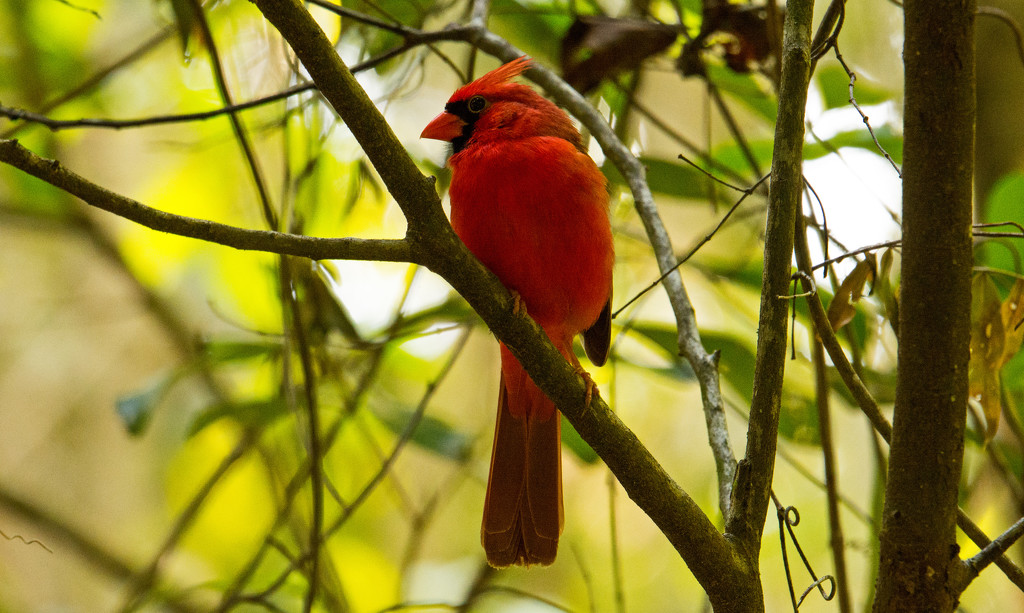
{"x": 589, "y": 382}
{"x": 518, "y": 306}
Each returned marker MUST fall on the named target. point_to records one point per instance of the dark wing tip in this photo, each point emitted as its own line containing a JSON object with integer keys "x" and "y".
{"x": 597, "y": 338}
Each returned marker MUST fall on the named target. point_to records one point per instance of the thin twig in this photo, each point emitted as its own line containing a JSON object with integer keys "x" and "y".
{"x": 870, "y": 408}
{"x": 131, "y": 57}
{"x": 1007, "y": 18}
{"x": 693, "y": 250}
{"x": 393, "y": 26}
{"x": 848, "y": 254}
{"x": 68, "y": 538}
{"x": 403, "y": 438}
{"x": 717, "y": 180}
{"x": 819, "y": 318}
{"x": 25, "y": 541}
{"x": 860, "y": 111}
{"x": 837, "y": 542}
{"x": 789, "y": 517}
{"x": 677, "y": 136}
{"x": 999, "y": 224}
{"x": 385, "y": 467}
{"x": 232, "y": 594}
{"x": 156, "y": 120}
{"x": 734, "y": 129}
{"x": 241, "y": 134}
{"x": 144, "y": 580}
{"x": 828, "y": 30}
{"x": 97, "y": 553}
{"x": 316, "y": 476}
{"x": 973, "y": 532}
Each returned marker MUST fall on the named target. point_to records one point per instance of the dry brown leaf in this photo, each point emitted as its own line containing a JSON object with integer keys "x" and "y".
{"x": 988, "y": 339}
{"x": 1012, "y": 312}
{"x": 842, "y": 309}
{"x": 597, "y": 47}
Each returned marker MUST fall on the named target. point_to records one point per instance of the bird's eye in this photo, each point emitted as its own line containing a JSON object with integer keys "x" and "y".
{"x": 476, "y": 104}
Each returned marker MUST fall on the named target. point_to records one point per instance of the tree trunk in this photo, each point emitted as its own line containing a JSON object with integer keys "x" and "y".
{"x": 919, "y": 566}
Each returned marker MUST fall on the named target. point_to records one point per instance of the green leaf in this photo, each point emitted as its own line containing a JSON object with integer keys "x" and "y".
{"x": 453, "y": 310}
{"x": 431, "y": 433}
{"x": 663, "y": 335}
{"x": 535, "y": 27}
{"x": 835, "y": 88}
{"x": 798, "y": 420}
{"x": 219, "y": 352}
{"x": 666, "y": 177}
{"x": 372, "y": 40}
{"x": 249, "y": 412}
{"x": 135, "y": 410}
{"x": 744, "y": 88}
{"x": 736, "y": 359}
{"x": 734, "y": 157}
{"x": 579, "y": 447}
{"x": 1005, "y": 202}
{"x": 185, "y": 20}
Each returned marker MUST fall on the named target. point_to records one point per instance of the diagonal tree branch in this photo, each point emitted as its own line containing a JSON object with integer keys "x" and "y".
{"x": 710, "y": 556}
{"x": 991, "y": 552}
{"x": 704, "y": 363}
{"x": 430, "y": 241}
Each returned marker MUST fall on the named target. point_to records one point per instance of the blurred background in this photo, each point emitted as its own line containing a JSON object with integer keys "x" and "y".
{"x": 152, "y": 389}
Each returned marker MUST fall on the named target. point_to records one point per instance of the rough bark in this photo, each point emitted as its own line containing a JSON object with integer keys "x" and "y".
{"x": 919, "y": 568}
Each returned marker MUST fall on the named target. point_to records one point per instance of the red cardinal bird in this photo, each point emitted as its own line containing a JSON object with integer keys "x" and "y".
{"x": 533, "y": 207}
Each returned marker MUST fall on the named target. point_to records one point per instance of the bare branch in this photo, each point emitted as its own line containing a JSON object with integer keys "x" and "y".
{"x": 835, "y": 351}
{"x": 709, "y": 554}
{"x": 52, "y": 172}
{"x": 867, "y": 249}
{"x": 239, "y": 130}
{"x": 120, "y": 124}
{"x": 991, "y": 551}
{"x": 152, "y": 43}
{"x": 828, "y": 452}
{"x": 753, "y": 481}
{"x": 860, "y": 111}
{"x": 145, "y": 579}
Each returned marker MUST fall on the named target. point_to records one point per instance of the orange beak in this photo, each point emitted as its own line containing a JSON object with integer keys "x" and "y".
{"x": 444, "y": 127}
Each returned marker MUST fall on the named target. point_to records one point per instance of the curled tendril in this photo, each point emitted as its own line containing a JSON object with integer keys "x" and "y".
{"x": 789, "y": 517}
{"x": 18, "y": 537}
{"x": 817, "y": 584}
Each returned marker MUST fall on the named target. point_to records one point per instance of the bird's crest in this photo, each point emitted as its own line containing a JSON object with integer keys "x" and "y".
{"x": 502, "y": 73}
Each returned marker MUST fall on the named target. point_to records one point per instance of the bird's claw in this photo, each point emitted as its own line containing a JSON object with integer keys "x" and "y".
{"x": 589, "y": 382}
{"x": 518, "y": 306}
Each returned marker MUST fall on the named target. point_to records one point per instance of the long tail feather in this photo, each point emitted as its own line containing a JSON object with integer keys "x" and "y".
{"x": 523, "y": 515}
